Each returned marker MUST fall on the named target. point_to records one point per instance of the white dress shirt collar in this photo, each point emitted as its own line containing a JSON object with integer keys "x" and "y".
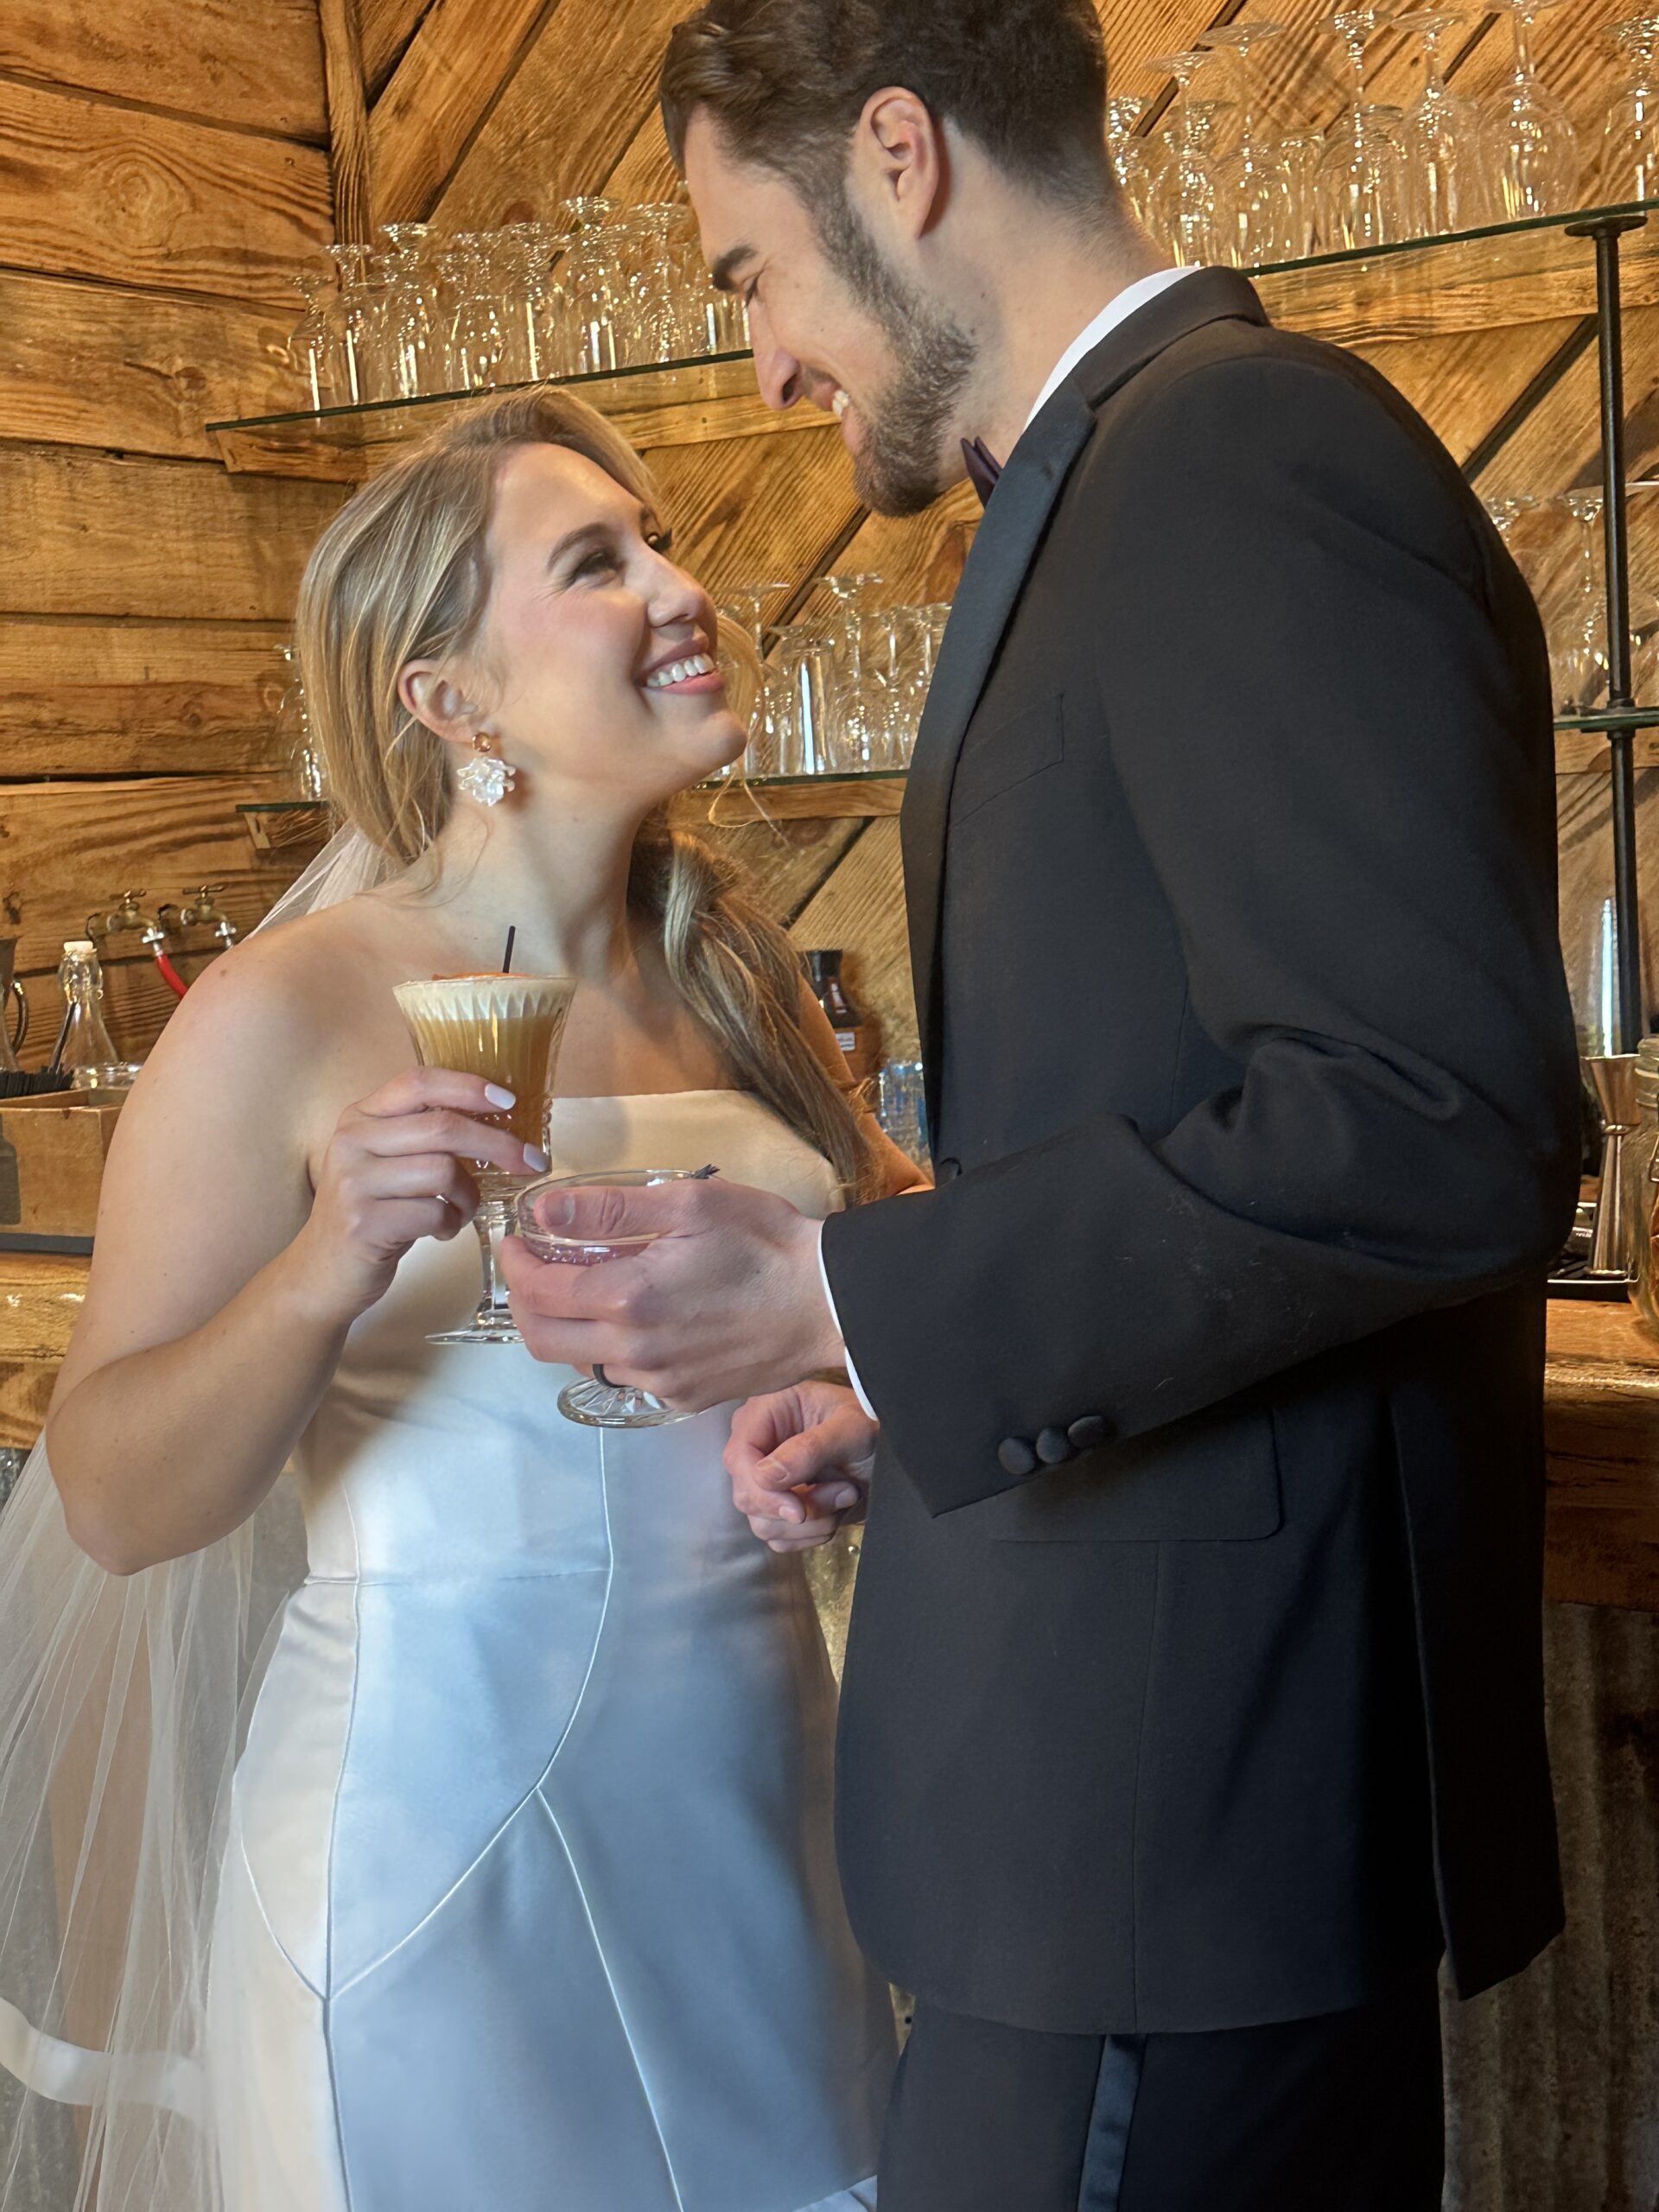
{"x": 1141, "y": 294}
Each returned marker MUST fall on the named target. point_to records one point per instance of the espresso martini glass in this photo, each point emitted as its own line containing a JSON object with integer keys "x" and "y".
{"x": 508, "y": 1029}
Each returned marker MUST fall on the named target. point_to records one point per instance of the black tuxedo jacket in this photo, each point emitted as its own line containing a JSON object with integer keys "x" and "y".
{"x": 1194, "y": 1676}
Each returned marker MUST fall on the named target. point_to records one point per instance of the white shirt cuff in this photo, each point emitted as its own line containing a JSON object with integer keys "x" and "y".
{"x": 830, "y": 1300}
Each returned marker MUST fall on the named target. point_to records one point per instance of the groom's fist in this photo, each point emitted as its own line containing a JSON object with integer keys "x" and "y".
{"x": 800, "y": 1461}
{"x": 724, "y": 1303}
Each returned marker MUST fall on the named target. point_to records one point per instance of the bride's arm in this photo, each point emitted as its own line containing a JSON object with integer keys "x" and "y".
{"x": 222, "y": 1288}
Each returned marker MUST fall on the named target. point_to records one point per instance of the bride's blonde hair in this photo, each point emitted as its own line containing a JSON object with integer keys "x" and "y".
{"x": 401, "y": 574}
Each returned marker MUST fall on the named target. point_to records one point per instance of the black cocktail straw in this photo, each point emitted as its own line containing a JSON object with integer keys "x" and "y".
{"x": 506, "y": 958}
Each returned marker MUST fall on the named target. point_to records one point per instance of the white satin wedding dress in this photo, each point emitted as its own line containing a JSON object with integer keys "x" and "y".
{"x": 530, "y": 1902}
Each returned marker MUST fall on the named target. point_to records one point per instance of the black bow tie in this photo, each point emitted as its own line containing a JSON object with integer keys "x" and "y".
{"x": 983, "y": 468}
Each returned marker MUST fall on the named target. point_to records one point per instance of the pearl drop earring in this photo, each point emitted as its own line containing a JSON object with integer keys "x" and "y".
{"x": 487, "y": 777}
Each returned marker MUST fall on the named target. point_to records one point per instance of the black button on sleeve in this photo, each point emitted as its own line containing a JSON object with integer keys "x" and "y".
{"x": 1089, "y": 1434}
{"x": 946, "y": 1169}
{"x": 1015, "y": 1457}
{"x": 1055, "y": 1447}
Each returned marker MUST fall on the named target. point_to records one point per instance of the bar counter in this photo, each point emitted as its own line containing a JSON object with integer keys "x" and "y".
{"x": 1601, "y": 1422}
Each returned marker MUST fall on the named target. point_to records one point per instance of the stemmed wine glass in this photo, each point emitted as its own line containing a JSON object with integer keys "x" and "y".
{"x": 413, "y": 350}
{"x": 477, "y": 343}
{"x": 595, "y": 281}
{"x": 1298, "y": 153}
{"x": 1255, "y": 212}
{"x": 1360, "y": 184}
{"x": 1184, "y": 197}
{"x": 600, "y": 1403}
{"x": 314, "y": 344}
{"x": 1447, "y": 187}
{"x": 355, "y": 324}
{"x": 508, "y": 1029}
{"x": 742, "y": 613}
{"x": 1131, "y": 162}
{"x": 1531, "y": 148}
{"x": 1628, "y": 167}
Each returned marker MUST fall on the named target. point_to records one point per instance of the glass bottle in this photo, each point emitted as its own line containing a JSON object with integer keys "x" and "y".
{"x": 854, "y": 1035}
{"x": 87, "y": 1055}
{"x": 1641, "y": 1190}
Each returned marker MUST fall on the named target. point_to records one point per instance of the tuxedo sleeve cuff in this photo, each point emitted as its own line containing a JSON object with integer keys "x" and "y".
{"x": 830, "y": 1300}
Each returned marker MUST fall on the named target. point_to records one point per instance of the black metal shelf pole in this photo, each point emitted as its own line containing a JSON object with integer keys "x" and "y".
{"x": 1609, "y": 342}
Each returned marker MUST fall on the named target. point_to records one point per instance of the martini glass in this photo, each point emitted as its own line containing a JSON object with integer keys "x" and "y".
{"x": 1255, "y": 209}
{"x": 1531, "y": 147}
{"x": 600, "y": 1404}
{"x": 1446, "y": 184}
{"x": 508, "y": 1029}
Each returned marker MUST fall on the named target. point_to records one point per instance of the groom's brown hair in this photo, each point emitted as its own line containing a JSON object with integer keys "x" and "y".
{"x": 787, "y": 80}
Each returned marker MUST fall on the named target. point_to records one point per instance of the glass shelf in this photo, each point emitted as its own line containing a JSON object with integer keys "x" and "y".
{"x": 674, "y": 402}
{"x": 1489, "y": 279}
{"x": 1496, "y": 277}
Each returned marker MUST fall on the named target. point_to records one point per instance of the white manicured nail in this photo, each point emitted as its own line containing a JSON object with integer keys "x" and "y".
{"x": 536, "y": 1158}
{"x": 497, "y": 1096}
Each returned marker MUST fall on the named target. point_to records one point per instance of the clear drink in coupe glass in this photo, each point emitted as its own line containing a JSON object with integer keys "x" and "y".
{"x": 600, "y": 1403}
{"x": 507, "y": 1029}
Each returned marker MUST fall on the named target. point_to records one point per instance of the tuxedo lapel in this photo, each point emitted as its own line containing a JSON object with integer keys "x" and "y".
{"x": 997, "y": 567}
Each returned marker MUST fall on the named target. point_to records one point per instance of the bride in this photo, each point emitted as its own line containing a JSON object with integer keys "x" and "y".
{"x": 522, "y": 1894}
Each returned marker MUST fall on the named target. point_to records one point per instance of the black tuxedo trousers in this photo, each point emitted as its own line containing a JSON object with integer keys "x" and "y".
{"x": 1194, "y": 1678}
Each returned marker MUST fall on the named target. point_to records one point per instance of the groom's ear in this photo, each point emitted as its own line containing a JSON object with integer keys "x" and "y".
{"x": 900, "y": 160}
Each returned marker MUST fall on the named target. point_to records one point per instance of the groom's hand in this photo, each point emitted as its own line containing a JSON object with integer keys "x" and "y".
{"x": 726, "y": 1303}
{"x": 799, "y": 1462}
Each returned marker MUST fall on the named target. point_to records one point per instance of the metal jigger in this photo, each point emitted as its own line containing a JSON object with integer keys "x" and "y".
{"x": 1614, "y": 1077}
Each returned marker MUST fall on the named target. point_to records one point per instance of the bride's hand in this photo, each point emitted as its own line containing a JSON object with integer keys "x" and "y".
{"x": 800, "y": 1461}
{"x": 397, "y": 1169}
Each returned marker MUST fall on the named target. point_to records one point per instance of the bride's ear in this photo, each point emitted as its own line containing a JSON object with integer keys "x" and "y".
{"x": 436, "y": 701}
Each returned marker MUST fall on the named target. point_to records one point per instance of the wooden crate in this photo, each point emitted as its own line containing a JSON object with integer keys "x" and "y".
{"x": 52, "y": 1155}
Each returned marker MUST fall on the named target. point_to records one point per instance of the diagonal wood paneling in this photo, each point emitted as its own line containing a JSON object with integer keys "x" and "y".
{"x": 748, "y": 510}
{"x": 567, "y": 113}
{"x": 139, "y": 198}
{"x": 385, "y": 29}
{"x": 259, "y": 67}
{"x": 447, "y": 84}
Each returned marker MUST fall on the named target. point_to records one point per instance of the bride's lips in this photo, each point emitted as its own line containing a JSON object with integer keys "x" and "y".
{"x": 701, "y": 679}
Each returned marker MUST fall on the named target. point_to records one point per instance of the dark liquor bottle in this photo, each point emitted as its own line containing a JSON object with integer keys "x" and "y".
{"x": 855, "y": 1036}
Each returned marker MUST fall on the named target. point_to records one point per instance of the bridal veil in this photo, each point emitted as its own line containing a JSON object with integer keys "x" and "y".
{"x": 120, "y": 1707}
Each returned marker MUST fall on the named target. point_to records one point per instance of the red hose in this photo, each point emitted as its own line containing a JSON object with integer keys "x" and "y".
{"x": 170, "y": 975}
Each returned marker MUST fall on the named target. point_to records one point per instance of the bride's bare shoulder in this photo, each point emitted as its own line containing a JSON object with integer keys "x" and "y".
{"x": 272, "y": 1003}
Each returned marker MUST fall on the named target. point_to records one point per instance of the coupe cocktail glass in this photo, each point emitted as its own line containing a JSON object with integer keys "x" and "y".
{"x": 598, "y": 1402}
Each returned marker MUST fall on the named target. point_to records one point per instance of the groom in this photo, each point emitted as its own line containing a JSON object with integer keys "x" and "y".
{"x": 1192, "y": 1706}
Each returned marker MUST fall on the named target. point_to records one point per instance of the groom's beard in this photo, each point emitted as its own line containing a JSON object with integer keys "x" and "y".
{"x": 909, "y": 427}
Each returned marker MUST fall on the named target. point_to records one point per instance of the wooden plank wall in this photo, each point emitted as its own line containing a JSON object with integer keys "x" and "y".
{"x": 164, "y": 167}
{"x": 168, "y": 167}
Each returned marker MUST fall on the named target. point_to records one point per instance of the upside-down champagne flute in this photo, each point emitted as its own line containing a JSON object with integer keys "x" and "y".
{"x": 1628, "y": 165}
{"x": 508, "y": 1029}
{"x": 1255, "y": 212}
{"x": 1131, "y": 162}
{"x": 1446, "y": 185}
{"x": 1531, "y": 147}
{"x": 1360, "y": 182}
{"x": 1185, "y": 195}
